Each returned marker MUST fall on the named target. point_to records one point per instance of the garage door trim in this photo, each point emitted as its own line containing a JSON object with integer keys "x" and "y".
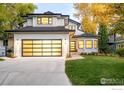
{"x": 42, "y": 55}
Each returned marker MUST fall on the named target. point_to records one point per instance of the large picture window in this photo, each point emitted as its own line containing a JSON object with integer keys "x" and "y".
{"x": 81, "y": 44}
{"x": 95, "y": 44}
{"x": 44, "y": 20}
{"x": 89, "y": 43}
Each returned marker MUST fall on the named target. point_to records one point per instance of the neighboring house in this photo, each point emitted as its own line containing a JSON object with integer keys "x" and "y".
{"x": 116, "y": 41}
{"x": 50, "y": 35}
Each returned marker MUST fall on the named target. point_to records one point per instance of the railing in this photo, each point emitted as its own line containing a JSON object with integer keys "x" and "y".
{"x": 119, "y": 38}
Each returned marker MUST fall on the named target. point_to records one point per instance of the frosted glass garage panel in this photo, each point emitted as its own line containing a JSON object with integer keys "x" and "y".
{"x": 41, "y": 48}
{"x": 27, "y": 54}
{"x": 47, "y": 49}
{"x": 37, "y": 42}
{"x": 27, "y": 42}
{"x": 37, "y": 54}
{"x": 27, "y": 46}
{"x": 56, "y": 41}
{"x": 55, "y": 49}
{"x": 27, "y": 50}
{"x": 46, "y": 53}
{"x": 37, "y": 46}
{"x": 56, "y": 45}
{"x": 46, "y": 41}
{"x": 46, "y": 46}
{"x": 56, "y": 53}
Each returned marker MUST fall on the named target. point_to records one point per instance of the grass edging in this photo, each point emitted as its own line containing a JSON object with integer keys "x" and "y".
{"x": 1, "y": 59}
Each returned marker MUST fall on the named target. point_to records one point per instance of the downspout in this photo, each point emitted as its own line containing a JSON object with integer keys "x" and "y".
{"x": 69, "y": 46}
{"x": 114, "y": 42}
{"x": 5, "y": 47}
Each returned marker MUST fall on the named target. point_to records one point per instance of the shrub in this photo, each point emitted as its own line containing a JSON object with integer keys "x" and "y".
{"x": 92, "y": 53}
{"x": 1, "y": 59}
{"x": 11, "y": 55}
{"x": 120, "y": 52}
{"x": 83, "y": 53}
{"x": 9, "y": 51}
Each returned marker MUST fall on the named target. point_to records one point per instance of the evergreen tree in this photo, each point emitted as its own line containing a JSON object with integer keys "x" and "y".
{"x": 103, "y": 45}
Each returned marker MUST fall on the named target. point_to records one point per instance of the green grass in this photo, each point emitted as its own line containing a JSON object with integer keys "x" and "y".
{"x": 1, "y": 59}
{"x": 90, "y": 70}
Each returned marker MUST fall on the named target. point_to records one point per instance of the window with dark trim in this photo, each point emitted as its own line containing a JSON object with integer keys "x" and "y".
{"x": 72, "y": 46}
{"x": 89, "y": 44}
{"x": 5, "y": 42}
{"x": 95, "y": 43}
{"x": 120, "y": 46}
{"x": 44, "y": 20}
{"x": 81, "y": 44}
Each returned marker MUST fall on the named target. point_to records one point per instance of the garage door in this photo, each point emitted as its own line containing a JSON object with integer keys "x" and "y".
{"x": 43, "y": 48}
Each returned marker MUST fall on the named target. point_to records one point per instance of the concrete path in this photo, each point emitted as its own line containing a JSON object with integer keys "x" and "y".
{"x": 75, "y": 56}
{"x": 33, "y": 71}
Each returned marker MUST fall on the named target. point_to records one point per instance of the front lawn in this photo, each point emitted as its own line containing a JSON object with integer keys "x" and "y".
{"x": 90, "y": 70}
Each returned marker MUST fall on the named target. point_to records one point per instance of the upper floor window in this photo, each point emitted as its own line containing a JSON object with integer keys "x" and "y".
{"x": 66, "y": 21}
{"x": 44, "y": 20}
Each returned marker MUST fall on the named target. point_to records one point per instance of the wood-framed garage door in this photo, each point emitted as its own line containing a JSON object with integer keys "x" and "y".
{"x": 41, "y": 48}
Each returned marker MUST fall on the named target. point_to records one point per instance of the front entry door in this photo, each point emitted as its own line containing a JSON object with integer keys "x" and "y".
{"x": 72, "y": 46}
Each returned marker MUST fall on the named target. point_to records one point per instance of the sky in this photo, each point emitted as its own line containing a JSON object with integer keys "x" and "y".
{"x": 64, "y": 8}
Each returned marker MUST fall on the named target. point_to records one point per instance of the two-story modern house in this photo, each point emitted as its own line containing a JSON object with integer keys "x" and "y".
{"x": 50, "y": 35}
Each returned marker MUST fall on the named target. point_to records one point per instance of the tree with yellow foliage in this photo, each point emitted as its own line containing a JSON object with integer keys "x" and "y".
{"x": 92, "y": 15}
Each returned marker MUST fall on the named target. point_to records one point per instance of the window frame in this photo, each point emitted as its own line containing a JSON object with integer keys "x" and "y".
{"x": 40, "y": 22}
{"x": 66, "y": 21}
{"x": 95, "y": 44}
{"x": 80, "y": 44}
{"x": 71, "y": 46}
{"x": 86, "y": 44}
{"x": 5, "y": 42}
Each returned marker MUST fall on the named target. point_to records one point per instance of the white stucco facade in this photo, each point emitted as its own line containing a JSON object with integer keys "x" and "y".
{"x": 18, "y": 41}
{"x": 58, "y": 21}
{"x": 76, "y": 28}
{"x": 1, "y": 42}
{"x": 55, "y": 22}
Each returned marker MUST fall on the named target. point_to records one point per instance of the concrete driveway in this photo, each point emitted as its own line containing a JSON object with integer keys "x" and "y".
{"x": 33, "y": 71}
